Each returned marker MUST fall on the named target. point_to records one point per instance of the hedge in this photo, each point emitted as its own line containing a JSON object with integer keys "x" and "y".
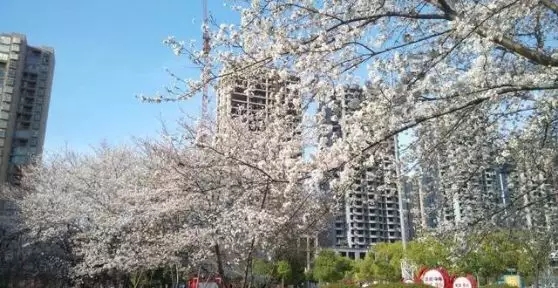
{"x": 497, "y": 286}
{"x": 380, "y": 285}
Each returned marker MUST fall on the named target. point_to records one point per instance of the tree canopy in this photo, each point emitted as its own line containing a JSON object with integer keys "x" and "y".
{"x": 330, "y": 267}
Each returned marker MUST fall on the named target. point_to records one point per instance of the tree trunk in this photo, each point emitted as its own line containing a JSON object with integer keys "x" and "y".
{"x": 220, "y": 268}
{"x": 251, "y": 276}
{"x": 177, "y": 275}
{"x": 248, "y": 264}
{"x": 250, "y": 253}
{"x": 136, "y": 279}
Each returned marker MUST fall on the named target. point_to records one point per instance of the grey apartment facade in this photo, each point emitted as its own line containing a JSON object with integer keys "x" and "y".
{"x": 26, "y": 75}
{"x": 369, "y": 212}
{"x": 261, "y": 96}
{"x": 450, "y": 192}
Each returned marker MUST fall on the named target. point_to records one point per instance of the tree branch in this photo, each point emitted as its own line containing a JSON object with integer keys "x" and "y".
{"x": 517, "y": 48}
{"x": 550, "y": 5}
{"x": 506, "y": 42}
{"x": 242, "y": 162}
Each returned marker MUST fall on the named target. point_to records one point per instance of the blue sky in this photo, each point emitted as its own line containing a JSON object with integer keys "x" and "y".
{"x": 107, "y": 52}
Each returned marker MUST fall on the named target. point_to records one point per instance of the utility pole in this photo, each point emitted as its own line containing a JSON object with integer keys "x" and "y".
{"x": 400, "y": 193}
{"x": 406, "y": 272}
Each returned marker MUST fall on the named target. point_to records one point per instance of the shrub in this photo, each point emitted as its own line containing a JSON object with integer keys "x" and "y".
{"x": 340, "y": 284}
{"x": 379, "y": 285}
{"x": 498, "y": 286}
{"x": 400, "y": 285}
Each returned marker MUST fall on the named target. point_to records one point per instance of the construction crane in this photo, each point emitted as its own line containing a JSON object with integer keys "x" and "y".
{"x": 203, "y": 124}
{"x": 206, "y": 67}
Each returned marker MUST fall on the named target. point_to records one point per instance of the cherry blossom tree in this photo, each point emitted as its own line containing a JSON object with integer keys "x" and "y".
{"x": 96, "y": 206}
{"x": 480, "y": 70}
{"x": 241, "y": 188}
{"x": 174, "y": 201}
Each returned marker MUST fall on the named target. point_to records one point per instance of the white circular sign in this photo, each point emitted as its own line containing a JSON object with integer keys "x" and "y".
{"x": 462, "y": 282}
{"x": 433, "y": 278}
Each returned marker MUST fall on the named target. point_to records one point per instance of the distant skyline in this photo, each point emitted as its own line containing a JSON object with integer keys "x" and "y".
{"x": 106, "y": 53}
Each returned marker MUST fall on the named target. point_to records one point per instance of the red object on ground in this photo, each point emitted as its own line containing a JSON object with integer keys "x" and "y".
{"x": 194, "y": 282}
{"x": 468, "y": 281}
{"x": 436, "y": 277}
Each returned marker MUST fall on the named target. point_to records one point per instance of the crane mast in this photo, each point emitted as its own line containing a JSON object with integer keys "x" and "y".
{"x": 205, "y": 72}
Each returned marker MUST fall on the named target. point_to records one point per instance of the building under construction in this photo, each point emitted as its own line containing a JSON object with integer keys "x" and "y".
{"x": 369, "y": 211}
{"x": 259, "y": 98}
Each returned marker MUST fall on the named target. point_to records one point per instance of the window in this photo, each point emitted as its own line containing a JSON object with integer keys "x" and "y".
{"x": 2, "y": 133}
{"x": 5, "y": 40}
{"x": 18, "y": 159}
{"x": 27, "y": 108}
{"x": 10, "y": 81}
{"x": 21, "y": 142}
{"x": 37, "y": 117}
{"x": 24, "y": 126}
{"x": 2, "y": 70}
{"x": 33, "y": 142}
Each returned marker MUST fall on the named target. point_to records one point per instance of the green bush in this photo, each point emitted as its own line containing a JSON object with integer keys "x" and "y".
{"x": 341, "y": 284}
{"x": 379, "y": 285}
{"x": 400, "y": 285}
{"x": 497, "y": 286}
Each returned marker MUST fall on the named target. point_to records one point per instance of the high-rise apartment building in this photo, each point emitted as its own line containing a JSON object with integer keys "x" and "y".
{"x": 434, "y": 207}
{"x": 262, "y": 99}
{"x": 461, "y": 183}
{"x": 26, "y": 74}
{"x": 369, "y": 212}
{"x": 530, "y": 203}
{"x": 458, "y": 181}
{"x": 261, "y": 96}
